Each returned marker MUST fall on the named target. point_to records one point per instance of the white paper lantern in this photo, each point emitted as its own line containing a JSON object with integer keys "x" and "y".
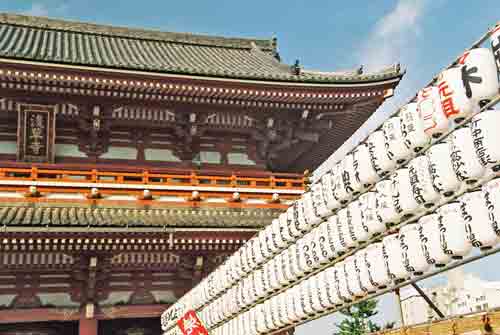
{"x": 340, "y": 180}
{"x": 394, "y": 140}
{"x": 431, "y": 112}
{"x": 307, "y": 295}
{"x": 495, "y": 45}
{"x": 479, "y": 75}
{"x": 285, "y": 226}
{"x": 455, "y": 241}
{"x": 363, "y": 166}
{"x": 404, "y": 202}
{"x": 284, "y": 277}
{"x": 320, "y": 246}
{"x": 386, "y": 211}
{"x": 310, "y": 211}
{"x": 306, "y": 260}
{"x": 364, "y": 275}
{"x": 393, "y": 253}
{"x": 339, "y": 241}
{"x": 479, "y": 226}
{"x": 299, "y": 302}
{"x": 328, "y": 185}
{"x": 352, "y": 183}
{"x": 430, "y": 235}
{"x": 332, "y": 287}
{"x": 320, "y": 201}
{"x": 443, "y": 175}
{"x": 260, "y": 314}
{"x": 421, "y": 181}
{"x": 283, "y": 309}
{"x": 278, "y": 234}
{"x": 491, "y": 192}
{"x": 377, "y": 268}
{"x": 320, "y": 285}
{"x": 413, "y": 253}
{"x": 368, "y": 206}
{"x": 486, "y": 136}
{"x": 345, "y": 229}
{"x": 291, "y": 314}
{"x": 273, "y": 271}
{"x": 305, "y": 223}
{"x": 413, "y": 128}
{"x": 356, "y": 223}
{"x": 293, "y": 219}
{"x": 381, "y": 162}
{"x": 269, "y": 317}
{"x": 466, "y": 164}
{"x": 326, "y": 242}
{"x": 353, "y": 279}
{"x": 293, "y": 265}
{"x": 342, "y": 282}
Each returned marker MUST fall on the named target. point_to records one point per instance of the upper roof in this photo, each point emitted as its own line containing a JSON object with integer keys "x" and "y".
{"x": 65, "y": 42}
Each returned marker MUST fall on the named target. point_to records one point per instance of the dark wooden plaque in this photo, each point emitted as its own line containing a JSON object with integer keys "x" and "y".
{"x": 36, "y": 133}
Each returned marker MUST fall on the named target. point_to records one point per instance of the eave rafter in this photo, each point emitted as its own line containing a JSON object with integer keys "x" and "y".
{"x": 49, "y": 81}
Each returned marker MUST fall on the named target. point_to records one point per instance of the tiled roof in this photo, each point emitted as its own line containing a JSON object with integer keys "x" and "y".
{"x": 69, "y": 216}
{"x": 64, "y": 42}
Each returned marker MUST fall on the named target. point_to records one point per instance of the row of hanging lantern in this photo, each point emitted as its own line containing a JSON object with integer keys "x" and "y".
{"x": 326, "y": 222}
{"x": 431, "y": 243}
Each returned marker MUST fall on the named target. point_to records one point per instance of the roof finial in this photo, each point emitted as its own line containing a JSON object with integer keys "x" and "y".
{"x": 296, "y": 67}
{"x": 274, "y": 46}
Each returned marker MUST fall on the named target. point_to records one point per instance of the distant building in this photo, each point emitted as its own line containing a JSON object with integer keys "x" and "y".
{"x": 462, "y": 294}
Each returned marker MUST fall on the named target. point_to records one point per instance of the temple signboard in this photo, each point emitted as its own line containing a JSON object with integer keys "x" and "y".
{"x": 36, "y": 133}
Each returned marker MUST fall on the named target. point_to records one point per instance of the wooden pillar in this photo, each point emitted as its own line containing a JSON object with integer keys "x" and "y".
{"x": 88, "y": 321}
{"x": 87, "y": 326}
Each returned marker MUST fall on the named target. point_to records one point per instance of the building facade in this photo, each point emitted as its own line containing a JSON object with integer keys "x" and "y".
{"x": 132, "y": 162}
{"x": 462, "y": 294}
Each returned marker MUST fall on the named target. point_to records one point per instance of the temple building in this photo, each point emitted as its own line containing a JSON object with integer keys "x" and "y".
{"x": 133, "y": 161}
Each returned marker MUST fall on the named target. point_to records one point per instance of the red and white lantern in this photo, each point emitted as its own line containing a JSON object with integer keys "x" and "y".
{"x": 430, "y": 234}
{"x": 422, "y": 186}
{"x": 443, "y": 175}
{"x": 381, "y": 162}
{"x": 486, "y": 136}
{"x": 454, "y": 237}
{"x": 431, "y": 112}
{"x": 363, "y": 166}
{"x": 413, "y": 128}
{"x": 395, "y": 142}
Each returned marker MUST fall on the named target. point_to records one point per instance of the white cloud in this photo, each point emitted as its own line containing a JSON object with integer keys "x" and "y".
{"x": 392, "y": 40}
{"x": 37, "y": 9}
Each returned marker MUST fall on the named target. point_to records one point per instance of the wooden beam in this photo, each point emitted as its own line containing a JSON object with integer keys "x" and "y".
{"x": 74, "y": 314}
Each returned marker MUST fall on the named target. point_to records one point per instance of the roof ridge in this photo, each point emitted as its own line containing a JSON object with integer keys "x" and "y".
{"x": 134, "y": 33}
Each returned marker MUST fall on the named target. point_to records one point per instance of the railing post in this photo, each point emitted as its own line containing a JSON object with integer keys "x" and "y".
{"x": 93, "y": 176}
{"x": 145, "y": 177}
{"x": 34, "y": 173}
{"x": 233, "y": 180}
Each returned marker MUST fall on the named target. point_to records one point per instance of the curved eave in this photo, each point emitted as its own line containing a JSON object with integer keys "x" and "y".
{"x": 342, "y": 81}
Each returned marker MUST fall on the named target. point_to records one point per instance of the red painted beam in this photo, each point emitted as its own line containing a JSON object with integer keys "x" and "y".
{"x": 73, "y": 314}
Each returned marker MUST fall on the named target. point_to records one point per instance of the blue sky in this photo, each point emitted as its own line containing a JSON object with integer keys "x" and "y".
{"x": 423, "y": 35}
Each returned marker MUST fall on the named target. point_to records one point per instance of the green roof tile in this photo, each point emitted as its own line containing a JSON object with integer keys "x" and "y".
{"x": 76, "y": 43}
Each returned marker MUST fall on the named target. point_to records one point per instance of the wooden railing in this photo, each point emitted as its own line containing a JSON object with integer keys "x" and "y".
{"x": 190, "y": 178}
{"x": 477, "y": 323}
